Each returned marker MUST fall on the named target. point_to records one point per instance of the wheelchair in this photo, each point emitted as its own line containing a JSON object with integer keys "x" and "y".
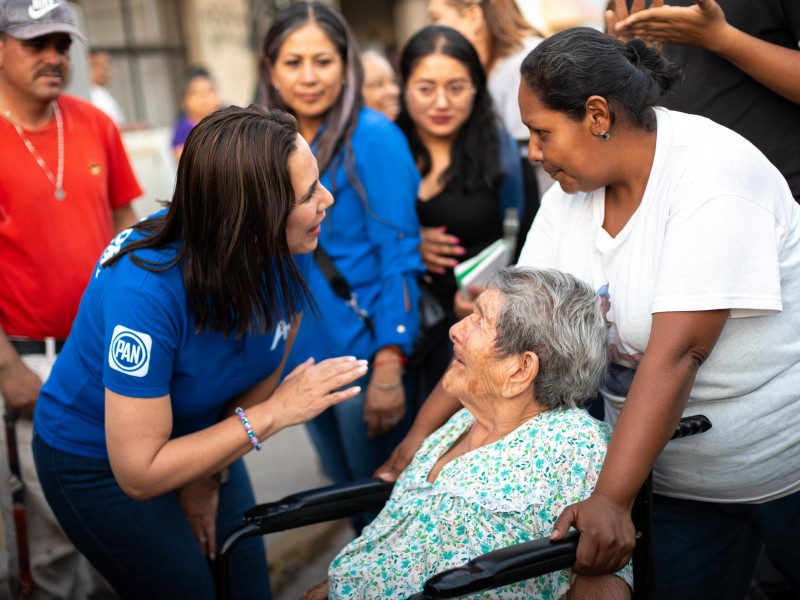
{"x": 488, "y": 571}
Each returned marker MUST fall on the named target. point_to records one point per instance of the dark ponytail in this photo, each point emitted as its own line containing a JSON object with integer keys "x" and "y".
{"x": 569, "y": 67}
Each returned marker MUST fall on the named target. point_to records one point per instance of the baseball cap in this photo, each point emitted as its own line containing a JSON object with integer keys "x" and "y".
{"x": 26, "y": 19}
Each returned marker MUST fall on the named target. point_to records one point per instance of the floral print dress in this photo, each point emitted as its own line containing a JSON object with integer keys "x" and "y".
{"x": 507, "y": 492}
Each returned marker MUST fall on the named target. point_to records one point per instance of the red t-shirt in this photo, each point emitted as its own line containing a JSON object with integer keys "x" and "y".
{"x": 48, "y": 247}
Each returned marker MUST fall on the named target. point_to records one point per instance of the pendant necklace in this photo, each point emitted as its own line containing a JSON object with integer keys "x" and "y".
{"x": 58, "y": 179}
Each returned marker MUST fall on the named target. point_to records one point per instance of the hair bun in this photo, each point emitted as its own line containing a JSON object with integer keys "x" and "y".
{"x": 636, "y": 51}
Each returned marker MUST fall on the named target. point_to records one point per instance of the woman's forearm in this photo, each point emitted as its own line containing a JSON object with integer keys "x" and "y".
{"x": 435, "y": 411}
{"x": 679, "y": 344}
{"x": 651, "y": 412}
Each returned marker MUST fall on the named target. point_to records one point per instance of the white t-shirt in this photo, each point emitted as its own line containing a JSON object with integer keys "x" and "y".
{"x": 717, "y": 228}
{"x": 103, "y": 100}
{"x": 503, "y": 84}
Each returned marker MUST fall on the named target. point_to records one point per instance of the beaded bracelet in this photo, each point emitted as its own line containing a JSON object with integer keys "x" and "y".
{"x": 248, "y": 428}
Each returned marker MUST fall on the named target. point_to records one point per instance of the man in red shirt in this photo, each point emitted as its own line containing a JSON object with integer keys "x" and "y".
{"x": 65, "y": 190}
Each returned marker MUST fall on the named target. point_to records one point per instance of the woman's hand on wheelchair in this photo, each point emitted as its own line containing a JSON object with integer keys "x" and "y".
{"x": 607, "y": 534}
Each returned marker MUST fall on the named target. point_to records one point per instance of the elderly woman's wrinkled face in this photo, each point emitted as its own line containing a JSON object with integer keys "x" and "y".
{"x": 565, "y": 148}
{"x": 475, "y": 370}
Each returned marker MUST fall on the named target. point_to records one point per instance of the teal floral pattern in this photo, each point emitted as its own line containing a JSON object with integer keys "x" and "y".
{"x": 497, "y": 495}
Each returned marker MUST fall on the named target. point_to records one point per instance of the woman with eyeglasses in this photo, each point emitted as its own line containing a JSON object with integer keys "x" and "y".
{"x": 502, "y": 38}
{"x": 311, "y": 67}
{"x": 468, "y": 163}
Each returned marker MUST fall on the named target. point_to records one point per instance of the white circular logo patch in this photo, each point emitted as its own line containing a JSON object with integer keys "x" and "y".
{"x": 129, "y": 351}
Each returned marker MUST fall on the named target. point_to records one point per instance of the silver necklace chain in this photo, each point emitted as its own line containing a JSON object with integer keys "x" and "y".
{"x": 58, "y": 179}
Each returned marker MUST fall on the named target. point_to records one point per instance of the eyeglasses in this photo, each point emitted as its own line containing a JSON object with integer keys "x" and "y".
{"x": 457, "y": 94}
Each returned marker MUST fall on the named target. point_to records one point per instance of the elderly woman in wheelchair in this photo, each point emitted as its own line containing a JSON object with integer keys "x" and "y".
{"x": 501, "y": 470}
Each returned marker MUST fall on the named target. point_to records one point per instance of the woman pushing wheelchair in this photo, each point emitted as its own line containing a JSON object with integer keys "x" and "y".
{"x": 694, "y": 239}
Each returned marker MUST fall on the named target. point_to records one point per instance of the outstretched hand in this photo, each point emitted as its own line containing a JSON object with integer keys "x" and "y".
{"x": 702, "y": 24}
{"x": 620, "y": 14}
{"x": 607, "y": 534}
{"x": 311, "y": 388}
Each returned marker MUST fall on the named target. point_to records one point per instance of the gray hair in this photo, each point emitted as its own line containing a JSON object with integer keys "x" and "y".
{"x": 558, "y": 317}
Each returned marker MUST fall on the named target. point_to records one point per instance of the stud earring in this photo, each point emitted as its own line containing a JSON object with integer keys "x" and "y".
{"x": 605, "y": 135}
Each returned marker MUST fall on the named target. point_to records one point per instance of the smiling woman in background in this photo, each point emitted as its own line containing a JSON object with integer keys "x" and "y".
{"x": 311, "y": 67}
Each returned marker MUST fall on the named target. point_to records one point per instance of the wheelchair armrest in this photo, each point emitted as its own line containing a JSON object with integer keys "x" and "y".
{"x": 320, "y": 505}
{"x": 502, "y": 567}
{"x": 528, "y": 559}
{"x": 690, "y": 426}
{"x": 304, "y": 508}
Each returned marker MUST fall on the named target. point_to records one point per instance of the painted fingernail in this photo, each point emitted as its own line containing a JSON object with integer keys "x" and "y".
{"x": 456, "y": 240}
{"x": 461, "y": 250}
{"x": 363, "y": 362}
{"x": 362, "y": 369}
{"x": 356, "y": 389}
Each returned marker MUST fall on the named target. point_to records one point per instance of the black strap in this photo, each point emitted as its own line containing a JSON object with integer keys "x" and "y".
{"x": 340, "y": 286}
{"x": 25, "y": 347}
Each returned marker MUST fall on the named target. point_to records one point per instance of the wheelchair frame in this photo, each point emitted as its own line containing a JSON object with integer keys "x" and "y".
{"x": 494, "y": 569}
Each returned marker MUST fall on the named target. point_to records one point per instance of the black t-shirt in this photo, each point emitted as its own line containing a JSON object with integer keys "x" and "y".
{"x": 474, "y": 218}
{"x": 716, "y": 89}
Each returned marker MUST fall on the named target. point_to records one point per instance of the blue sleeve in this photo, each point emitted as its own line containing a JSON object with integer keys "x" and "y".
{"x": 386, "y": 168}
{"x": 142, "y": 329}
{"x": 512, "y": 190}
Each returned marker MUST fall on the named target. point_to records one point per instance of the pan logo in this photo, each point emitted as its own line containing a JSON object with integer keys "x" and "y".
{"x": 129, "y": 351}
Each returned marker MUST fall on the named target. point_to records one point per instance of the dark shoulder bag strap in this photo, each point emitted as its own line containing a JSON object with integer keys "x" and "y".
{"x": 340, "y": 286}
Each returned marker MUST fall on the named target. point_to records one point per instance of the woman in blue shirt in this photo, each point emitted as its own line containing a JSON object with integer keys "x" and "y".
{"x": 311, "y": 67}
{"x": 187, "y": 323}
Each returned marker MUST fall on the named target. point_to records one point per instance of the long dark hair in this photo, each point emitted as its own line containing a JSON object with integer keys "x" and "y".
{"x": 567, "y": 68}
{"x": 227, "y": 221}
{"x": 474, "y": 158}
{"x": 341, "y": 119}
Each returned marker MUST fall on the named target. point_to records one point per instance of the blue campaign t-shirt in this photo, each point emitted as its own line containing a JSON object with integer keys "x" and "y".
{"x": 134, "y": 335}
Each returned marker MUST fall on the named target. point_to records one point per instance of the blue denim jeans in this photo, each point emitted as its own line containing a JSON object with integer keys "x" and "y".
{"x": 708, "y": 551}
{"x": 146, "y": 549}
